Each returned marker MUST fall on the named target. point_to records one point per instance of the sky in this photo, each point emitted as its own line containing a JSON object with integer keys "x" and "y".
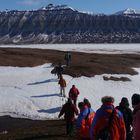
{"x": 96, "y": 6}
{"x": 33, "y": 92}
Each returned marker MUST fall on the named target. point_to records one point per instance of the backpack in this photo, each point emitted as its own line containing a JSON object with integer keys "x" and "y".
{"x": 104, "y": 134}
{"x": 86, "y": 123}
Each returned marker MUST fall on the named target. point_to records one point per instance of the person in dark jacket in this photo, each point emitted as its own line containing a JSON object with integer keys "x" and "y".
{"x": 127, "y": 115}
{"x": 73, "y": 94}
{"x": 59, "y": 70}
{"x": 69, "y": 111}
{"x": 67, "y": 58}
{"x": 136, "y": 116}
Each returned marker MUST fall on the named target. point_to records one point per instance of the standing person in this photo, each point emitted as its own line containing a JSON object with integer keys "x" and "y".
{"x": 108, "y": 123}
{"x": 67, "y": 58}
{"x": 136, "y": 116}
{"x": 73, "y": 94}
{"x": 69, "y": 110}
{"x": 59, "y": 70}
{"x": 127, "y": 115}
{"x": 84, "y": 121}
{"x": 62, "y": 84}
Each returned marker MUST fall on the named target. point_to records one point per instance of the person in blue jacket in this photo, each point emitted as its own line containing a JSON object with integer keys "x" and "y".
{"x": 84, "y": 121}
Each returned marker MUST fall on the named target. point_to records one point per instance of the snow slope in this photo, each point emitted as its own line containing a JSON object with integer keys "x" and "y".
{"x": 34, "y": 92}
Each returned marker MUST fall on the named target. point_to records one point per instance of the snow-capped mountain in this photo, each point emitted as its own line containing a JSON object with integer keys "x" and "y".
{"x": 129, "y": 12}
{"x": 58, "y": 7}
{"x": 63, "y": 24}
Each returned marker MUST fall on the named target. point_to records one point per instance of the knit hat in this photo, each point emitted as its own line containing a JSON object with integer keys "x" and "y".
{"x": 135, "y": 99}
{"x": 107, "y": 99}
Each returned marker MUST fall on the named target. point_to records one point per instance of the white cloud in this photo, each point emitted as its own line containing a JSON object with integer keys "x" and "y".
{"x": 30, "y": 2}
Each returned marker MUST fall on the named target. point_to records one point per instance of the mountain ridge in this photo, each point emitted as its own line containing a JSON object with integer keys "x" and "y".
{"x": 63, "y": 24}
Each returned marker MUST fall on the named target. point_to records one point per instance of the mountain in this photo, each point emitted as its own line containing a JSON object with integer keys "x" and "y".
{"x": 129, "y": 12}
{"x": 63, "y": 24}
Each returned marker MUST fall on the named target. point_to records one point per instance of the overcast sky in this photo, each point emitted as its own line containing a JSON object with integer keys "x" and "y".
{"x": 97, "y": 6}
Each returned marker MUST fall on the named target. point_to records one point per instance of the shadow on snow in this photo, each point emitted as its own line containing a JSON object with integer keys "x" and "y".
{"x": 43, "y": 82}
{"x": 46, "y": 95}
{"x": 52, "y": 110}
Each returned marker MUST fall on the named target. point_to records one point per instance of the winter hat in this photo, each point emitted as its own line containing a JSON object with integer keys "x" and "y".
{"x": 135, "y": 99}
{"x": 69, "y": 101}
{"x": 124, "y": 102}
{"x": 107, "y": 99}
{"x": 81, "y": 105}
{"x": 73, "y": 86}
{"x": 86, "y": 100}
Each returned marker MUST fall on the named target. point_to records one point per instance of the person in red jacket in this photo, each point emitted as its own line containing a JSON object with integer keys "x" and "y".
{"x": 108, "y": 119}
{"x": 73, "y": 94}
{"x": 69, "y": 111}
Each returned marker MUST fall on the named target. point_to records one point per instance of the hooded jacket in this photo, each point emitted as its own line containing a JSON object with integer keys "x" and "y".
{"x": 73, "y": 93}
{"x": 117, "y": 129}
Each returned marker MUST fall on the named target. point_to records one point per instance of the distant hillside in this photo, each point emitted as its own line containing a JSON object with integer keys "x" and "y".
{"x": 63, "y": 24}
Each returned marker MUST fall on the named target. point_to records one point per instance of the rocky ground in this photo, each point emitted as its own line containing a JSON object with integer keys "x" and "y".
{"x": 81, "y": 64}
{"x": 24, "y": 129}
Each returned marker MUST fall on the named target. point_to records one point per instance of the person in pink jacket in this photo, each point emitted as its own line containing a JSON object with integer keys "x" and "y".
{"x": 136, "y": 116}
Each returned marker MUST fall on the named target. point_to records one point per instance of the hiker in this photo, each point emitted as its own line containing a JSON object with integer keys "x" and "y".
{"x": 127, "y": 115}
{"x": 108, "y": 123}
{"x": 136, "y": 116}
{"x": 69, "y": 110}
{"x": 87, "y": 103}
{"x": 59, "y": 70}
{"x": 84, "y": 121}
{"x": 73, "y": 93}
{"x": 62, "y": 84}
{"x": 67, "y": 58}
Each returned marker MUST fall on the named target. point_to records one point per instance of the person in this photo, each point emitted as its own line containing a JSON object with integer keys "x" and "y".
{"x": 84, "y": 121}
{"x": 62, "y": 83}
{"x": 127, "y": 115}
{"x": 108, "y": 120}
{"x": 69, "y": 111}
{"x": 136, "y": 116}
{"x": 67, "y": 58}
{"x": 73, "y": 93}
{"x": 59, "y": 70}
{"x": 87, "y": 103}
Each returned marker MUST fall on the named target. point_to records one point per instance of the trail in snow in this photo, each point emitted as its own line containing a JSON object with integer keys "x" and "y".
{"x": 34, "y": 92}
